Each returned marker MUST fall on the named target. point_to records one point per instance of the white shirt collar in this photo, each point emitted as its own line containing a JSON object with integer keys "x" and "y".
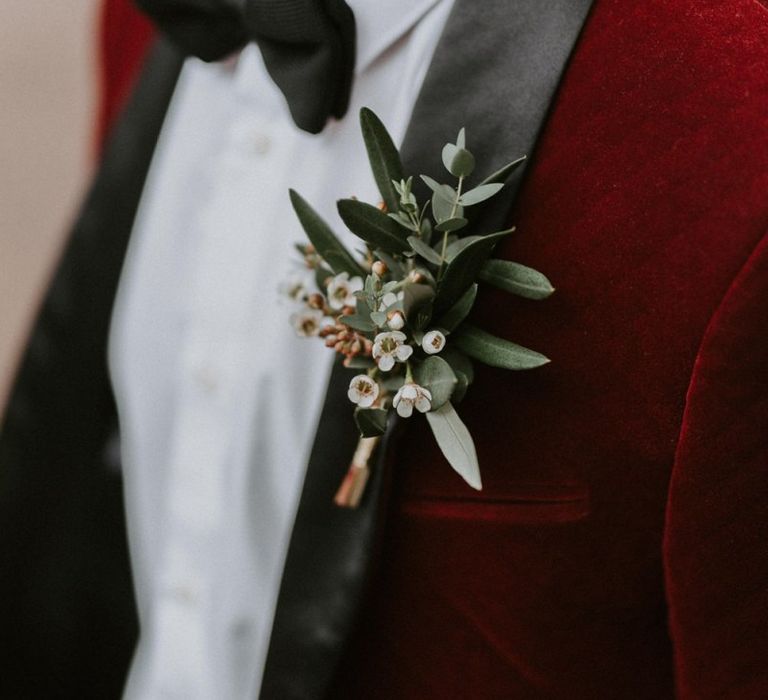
{"x": 381, "y": 23}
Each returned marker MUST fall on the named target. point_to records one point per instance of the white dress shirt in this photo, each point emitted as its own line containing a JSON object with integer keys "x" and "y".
{"x": 218, "y": 398}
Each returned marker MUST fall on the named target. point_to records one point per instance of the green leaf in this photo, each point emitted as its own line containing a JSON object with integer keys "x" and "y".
{"x": 371, "y": 422}
{"x": 383, "y": 157}
{"x": 445, "y": 191}
{"x": 479, "y": 194}
{"x": 461, "y": 139}
{"x": 436, "y": 375}
{"x": 424, "y": 250}
{"x": 457, "y": 246}
{"x": 359, "y": 362}
{"x": 379, "y": 318}
{"x": 495, "y": 351}
{"x": 359, "y": 323}
{"x": 415, "y": 297}
{"x": 462, "y": 384}
{"x": 395, "y": 268}
{"x": 322, "y": 274}
{"x": 452, "y": 224}
{"x": 462, "y": 271}
{"x": 459, "y": 311}
{"x": 459, "y": 362}
{"x": 456, "y": 444}
{"x": 502, "y": 174}
{"x": 372, "y": 225}
{"x": 516, "y": 279}
{"x": 458, "y": 161}
{"x": 324, "y": 239}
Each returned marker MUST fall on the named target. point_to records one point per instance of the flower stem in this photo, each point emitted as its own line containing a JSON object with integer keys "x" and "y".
{"x": 445, "y": 233}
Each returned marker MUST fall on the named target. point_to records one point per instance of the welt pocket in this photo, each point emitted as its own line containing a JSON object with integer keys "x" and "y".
{"x": 521, "y": 504}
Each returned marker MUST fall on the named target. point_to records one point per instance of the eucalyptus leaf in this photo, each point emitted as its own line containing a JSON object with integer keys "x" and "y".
{"x": 445, "y": 191}
{"x": 455, "y": 247}
{"x": 462, "y": 271}
{"x": 458, "y": 161}
{"x": 502, "y": 174}
{"x": 429, "y": 254}
{"x": 359, "y": 322}
{"x": 462, "y": 384}
{"x": 495, "y": 351}
{"x": 459, "y": 362}
{"x": 456, "y": 443}
{"x": 452, "y": 224}
{"x": 371, "y": 422}
{"x": 461, "y": 139}
{"x": 517, "y": 279}
{"x": 379, "y": 318}
{"x": 425, "y": 230}
{"x": 383, "y": 156}
{"x": 459, "y": 311}
{"x": 436, "y": 375}
{"x": 479, "y": 194}
{"x": 442, "y": 209}
{"x": 323, "y": 238}
{"x": 372, "y": 225}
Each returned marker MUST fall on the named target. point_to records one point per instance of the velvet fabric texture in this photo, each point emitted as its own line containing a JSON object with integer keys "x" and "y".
{"x": 618, "y": 549}
{"x": 124, "y": 38}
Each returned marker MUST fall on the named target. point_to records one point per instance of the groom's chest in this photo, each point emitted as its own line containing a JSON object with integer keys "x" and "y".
{"x": 645, "y": 196}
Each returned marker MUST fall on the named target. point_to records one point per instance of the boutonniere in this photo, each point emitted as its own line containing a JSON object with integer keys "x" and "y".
{"x": 398, "y": 312}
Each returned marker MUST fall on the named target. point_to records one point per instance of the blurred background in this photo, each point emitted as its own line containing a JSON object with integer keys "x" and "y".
{"x": 65, "y": 68}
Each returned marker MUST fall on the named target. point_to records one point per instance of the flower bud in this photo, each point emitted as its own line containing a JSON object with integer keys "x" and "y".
{"x": 379, "y": 268}
{"x": 433, "y": 342}
{"x": 395, "y": 320}
{"x": 416, "y": 277}
{"x": 316, "y": 301}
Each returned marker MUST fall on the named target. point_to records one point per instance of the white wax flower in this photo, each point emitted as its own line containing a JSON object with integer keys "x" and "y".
{"x": 341, "y": 290}
{"x": 307, "y": 322}
{"x": 389, "y": 348}
{"x": 397, "y": 321}
{"x": 363, "y": 391}
{"x": 410, "y": 396}
{"x": 433, "y": 342}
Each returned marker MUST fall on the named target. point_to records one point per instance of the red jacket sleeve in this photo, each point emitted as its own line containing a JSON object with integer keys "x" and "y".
{"x": 716, "y": 540}
{"x": 124, "y": 37}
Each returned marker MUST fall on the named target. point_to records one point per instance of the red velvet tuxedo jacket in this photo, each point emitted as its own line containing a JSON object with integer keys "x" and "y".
{"x": 619, "y": 548}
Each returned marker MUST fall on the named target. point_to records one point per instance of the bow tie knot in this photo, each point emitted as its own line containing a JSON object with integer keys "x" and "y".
{"x": 308, "y": 46}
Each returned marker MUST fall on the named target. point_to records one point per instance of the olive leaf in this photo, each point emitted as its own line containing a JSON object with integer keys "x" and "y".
{"x": 495, "y": 351}
{"x": 327, "y": 245}
{"x": 517, "y": 279}
{"x": 383, "y": 157}
{"x": 461, "y": 272}
{"x": 460, "y": 310}
{"x": 456, "y": 443}
{"x": 372, "y": 225}
{"x": 424, "y": 250}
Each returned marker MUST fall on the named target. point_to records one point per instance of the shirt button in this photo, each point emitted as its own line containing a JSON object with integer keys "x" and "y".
{"x": 261, "y": 143}
{"x": 185, "y": 595}
{"x": 206, "y": 379}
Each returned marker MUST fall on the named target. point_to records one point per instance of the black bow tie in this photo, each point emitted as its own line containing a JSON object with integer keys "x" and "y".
{"x": 308, "y": 45}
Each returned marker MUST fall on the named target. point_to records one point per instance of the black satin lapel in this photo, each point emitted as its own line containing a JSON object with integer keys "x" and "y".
{"x": 512, "y": 54}
{"x": 69, "y": 620}
{"x": 496, "y": 69}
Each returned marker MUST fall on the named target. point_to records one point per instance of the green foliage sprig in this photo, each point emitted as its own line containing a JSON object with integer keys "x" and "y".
{"x": 399, "y": 315}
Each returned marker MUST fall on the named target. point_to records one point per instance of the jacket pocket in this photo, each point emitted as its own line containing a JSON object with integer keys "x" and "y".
{"x": 522, "y": 503}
